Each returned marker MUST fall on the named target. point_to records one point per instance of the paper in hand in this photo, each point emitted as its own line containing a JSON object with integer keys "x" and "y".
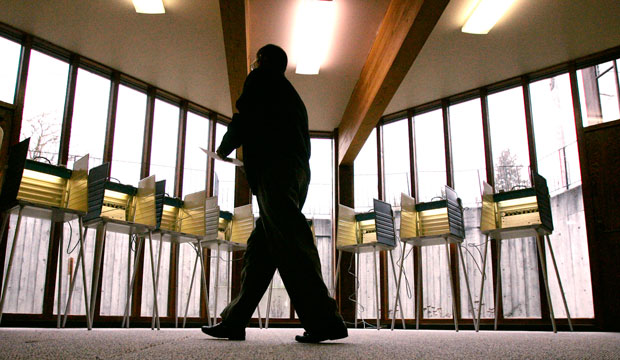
{"x": 214, "y": 155}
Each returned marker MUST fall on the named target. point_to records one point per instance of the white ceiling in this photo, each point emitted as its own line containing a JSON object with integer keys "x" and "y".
{"x": 183, "y": 51}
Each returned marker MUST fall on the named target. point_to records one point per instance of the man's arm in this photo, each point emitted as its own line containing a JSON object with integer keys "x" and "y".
{"x": 233, "y": 137}
{"x": 238, "y": 128}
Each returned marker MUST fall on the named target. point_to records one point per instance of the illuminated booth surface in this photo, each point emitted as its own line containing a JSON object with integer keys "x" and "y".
{"x": 44, "y": 191}
{"x": 431, "y": 224}
{"x": 366, "y": 232}
{"x": 515, "y": 215}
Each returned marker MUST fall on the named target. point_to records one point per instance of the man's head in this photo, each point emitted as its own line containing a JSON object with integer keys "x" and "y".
{"x": 272, "y": 57}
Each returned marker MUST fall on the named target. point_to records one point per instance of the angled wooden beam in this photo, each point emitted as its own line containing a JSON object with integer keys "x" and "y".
{"x": 235, "y": 15}
{"x": 402, "y": 33}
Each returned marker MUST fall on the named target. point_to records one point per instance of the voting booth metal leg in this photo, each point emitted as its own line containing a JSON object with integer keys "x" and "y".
{"x": 133, "y": 280}
{"x": 191, "y": 286}
{"x": 377, "y": 302}
{"x": 454, "y": 312}
{"x": 155, "y": 306}
{"x": 260, "y": 321}
{"x": 400, "y": 303}
{"x": 7, "y": 274}
{"x": 203, "y": 277}
{"x": 268, "y": 304}
{"x": 418, "y": 294}
{"x": 557, "y": 274}
{"x": 498, "y": 281}
{"x": 357, "y": 284}
{"x": 543, "y": 265}
{"x": 79, "y": 262}
{"x": 471, "y": 302}
{"x": 59, "y": 266}
{"x": 96, "y": 271}
{"x": 484, "y": 270}
{"x": 400, "y": 275}
{"x": 87, "y": 305}
{"x": 217, "y": 284}
{"x": 337, "y": 274}
{"x": 161, "y": 242}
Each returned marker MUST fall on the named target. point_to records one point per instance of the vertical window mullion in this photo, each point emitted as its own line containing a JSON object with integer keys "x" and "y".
{"x": 531, "y": 143}
{"x": 20, "y": 94}
{"x": 65, "y": 135}
{"x": 148, "y": 133}
{"x": 180, "y": 162}
{"x": 111, "y": 121}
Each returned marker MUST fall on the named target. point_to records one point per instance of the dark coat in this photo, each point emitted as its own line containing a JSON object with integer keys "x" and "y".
{"x": 271, "y": 125}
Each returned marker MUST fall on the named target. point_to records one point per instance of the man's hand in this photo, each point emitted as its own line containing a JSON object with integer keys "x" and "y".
{"x": 222, "y": 155}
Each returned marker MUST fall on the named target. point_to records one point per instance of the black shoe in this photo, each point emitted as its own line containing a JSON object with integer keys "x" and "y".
{"x": 222, "y": 331}
{"x": 313, "y": 339}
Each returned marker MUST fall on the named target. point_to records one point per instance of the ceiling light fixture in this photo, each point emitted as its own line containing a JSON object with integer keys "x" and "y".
{"x": 313, "y": 34}
{"x": 486, "y": 14}
{"x": 149, "y": 6}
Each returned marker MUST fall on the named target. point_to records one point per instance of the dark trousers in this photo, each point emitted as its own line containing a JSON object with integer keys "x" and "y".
{"x": 283, "y": 240}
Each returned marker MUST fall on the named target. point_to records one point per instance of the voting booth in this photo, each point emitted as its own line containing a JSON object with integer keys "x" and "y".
{"x": 518, "y": 214}
{"x": 40, "y": 190}
{"x": 371, "y": 231}
{"x": 430, "y": 224}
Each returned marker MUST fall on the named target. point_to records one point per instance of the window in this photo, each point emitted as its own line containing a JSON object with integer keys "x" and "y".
{"x": 46, "y": 89}
{"x": 194, "y": 180}
{"x": 430, "y": 155}
{"x": 224, "y": 189}
{"x": 319, "y": 203}
{"x": 9, "y": 65}
{"x": 224, "y": 179}
{"x": 519, "y": 259}
{"x": 128, "y": 135}
{"x": 558, "y": 162}
{"x": 195, "y": 164}
{"x": 398, "y": 180}
{"x": 90, "y": 113}
{"x": 162, "y": 281}
{"x": 468, "y": 164}
{"x": 164, "y": 144}
{"x": 431, "y": 177}
{"x": 365, "y": 184}
{"x": 118, "y": 260}
{"x": 365, "y": 175}
{"x": 24, "y": 293}
{"x": 598, "y": 89}
{"x": 188, "y": 262}
{"x": 70, "y": 252}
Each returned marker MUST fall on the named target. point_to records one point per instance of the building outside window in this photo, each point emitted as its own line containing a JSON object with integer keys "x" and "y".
{"x": 599, "y": 88}
{"x": 558, "y": 162}
{"x": 519, "y": 258}
{"x": 468, "y": 164}
{"x": 431, "y": 178}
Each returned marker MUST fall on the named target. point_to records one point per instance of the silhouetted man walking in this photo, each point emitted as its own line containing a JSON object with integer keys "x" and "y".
{"x": 272, "y": 127}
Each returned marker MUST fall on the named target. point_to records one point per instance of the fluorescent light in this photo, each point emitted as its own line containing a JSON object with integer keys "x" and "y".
{"x": 149, "y": 6}
{"x": 486, "y": 14}
{"x": 314, "y": 28}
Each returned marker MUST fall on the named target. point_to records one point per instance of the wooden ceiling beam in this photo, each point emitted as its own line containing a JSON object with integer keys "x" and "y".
{"x": 402, "y": 34}
{"x": 235, "y": 17}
